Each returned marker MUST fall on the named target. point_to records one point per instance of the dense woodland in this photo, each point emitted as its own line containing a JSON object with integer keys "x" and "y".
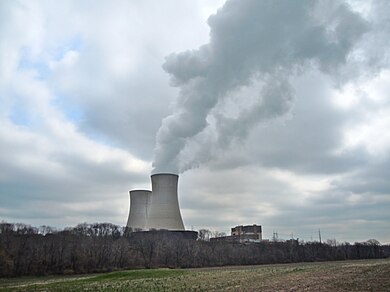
{"x": 87, "y": 248}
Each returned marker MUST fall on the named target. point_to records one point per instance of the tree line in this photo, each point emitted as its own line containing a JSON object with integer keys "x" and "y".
{"x": 90, "y": 248}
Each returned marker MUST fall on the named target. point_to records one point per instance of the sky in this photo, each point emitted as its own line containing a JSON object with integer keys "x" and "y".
{"x": 274, "y": 113}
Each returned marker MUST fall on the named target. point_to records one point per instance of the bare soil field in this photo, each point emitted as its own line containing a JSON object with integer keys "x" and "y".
{"x": 362, "y": 275}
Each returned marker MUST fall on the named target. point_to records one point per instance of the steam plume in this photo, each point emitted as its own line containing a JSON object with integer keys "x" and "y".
{"x": 253, "y": 44}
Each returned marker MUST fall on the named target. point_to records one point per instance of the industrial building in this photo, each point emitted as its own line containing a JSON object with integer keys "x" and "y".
{"x": 250, "y": 232}
{"x": 157, "y": 209}
{"x": 242, "y": 234}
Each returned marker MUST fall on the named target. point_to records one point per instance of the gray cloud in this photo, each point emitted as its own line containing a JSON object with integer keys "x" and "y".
{"x": 220, "y": 198}
{"x": 308, "y": 141}
{"x": 285, "y": 109}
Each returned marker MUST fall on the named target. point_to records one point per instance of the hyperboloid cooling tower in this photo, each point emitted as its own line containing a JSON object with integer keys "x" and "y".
{"x": 139, "y": 209}
{"x": 164, "y": 205}
{"x": 156, "y": 209}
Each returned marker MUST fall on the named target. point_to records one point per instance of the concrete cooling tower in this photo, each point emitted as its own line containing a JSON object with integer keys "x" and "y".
{"x": 164, "y": 212}
{"x": 157, "y": 209}
{"x": 139, "y": 209}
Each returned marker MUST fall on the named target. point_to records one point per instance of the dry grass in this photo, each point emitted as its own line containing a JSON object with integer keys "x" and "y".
{"x": 366, "y": 275}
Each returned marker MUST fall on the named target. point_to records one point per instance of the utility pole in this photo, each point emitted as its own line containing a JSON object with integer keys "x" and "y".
{"x": 275, "y": 236}
{"x": 319, "y": 235}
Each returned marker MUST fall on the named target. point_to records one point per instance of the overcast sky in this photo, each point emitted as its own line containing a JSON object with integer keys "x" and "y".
{"x": 273, "y": 112}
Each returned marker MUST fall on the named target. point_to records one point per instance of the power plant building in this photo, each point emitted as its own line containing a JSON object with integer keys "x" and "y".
{"x": 157, "y": 209}
{"x": 246, "y": 233}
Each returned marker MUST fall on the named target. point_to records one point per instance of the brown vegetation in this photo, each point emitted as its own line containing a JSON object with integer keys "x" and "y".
{"x": 90, "y": 248}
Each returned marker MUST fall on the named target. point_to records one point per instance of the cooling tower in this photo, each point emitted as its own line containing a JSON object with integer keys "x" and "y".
{"x": 139, "y": 209}
{"x": 164, "y": 211}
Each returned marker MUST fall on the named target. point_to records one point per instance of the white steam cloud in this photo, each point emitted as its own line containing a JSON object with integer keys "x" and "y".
{"x": 256, "y": 45}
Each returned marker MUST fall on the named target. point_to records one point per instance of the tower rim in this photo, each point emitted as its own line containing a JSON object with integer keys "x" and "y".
{"x": 139, "y": 190}
{"x": 164, "y": 173}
